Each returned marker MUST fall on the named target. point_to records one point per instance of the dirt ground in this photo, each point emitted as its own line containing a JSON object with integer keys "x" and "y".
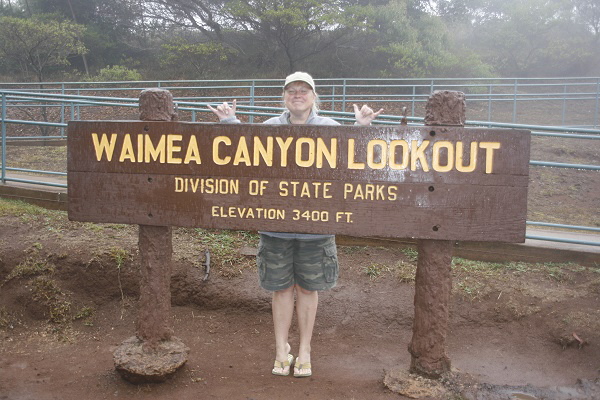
{"x": 68, "y": 298}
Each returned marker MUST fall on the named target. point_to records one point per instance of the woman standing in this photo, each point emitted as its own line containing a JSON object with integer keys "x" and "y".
{"x": 296, "y": 266}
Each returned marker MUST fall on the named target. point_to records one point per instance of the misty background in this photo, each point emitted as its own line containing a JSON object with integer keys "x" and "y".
{"x": 100, "y": 40}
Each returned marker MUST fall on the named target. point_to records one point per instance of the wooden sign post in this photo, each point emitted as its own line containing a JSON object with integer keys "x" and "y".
{"x": 437, "y": 183}
{"x": 154, "y": 353}
{"x": 433, "y": 280}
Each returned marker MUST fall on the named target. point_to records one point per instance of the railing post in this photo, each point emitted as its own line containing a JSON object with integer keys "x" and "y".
{"x": 333, "y": 97}
{"x": 490, "y": 104}
{"x": 344, "y": 96}
{"x": 514, "y": 118}
{"x": 62, "y": 111}
{"x": 78, "y": 107}
{"x": 3, "y": 138}
{"x": 414, "y": 98}
{"x": 597, "y": 102}
{"x": 251, "y": 119}
{"x": 564, "y": 107}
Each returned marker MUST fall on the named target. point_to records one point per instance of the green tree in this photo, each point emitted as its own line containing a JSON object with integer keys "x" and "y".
{"x": 588, "y": 13}
{"x": 11, "y": 8}
{"x": 272, "y": 35}
{"x": 200, "y": 60}
{"x": 77, "y": 11}
{"x": 416, "y": 44}
{"x": 35, "y": 44}
{"x": 295, "y": 30}
{"x": 204, "y": 16}
{"x": 117, "y": 73}
{"x": 532, "y": 38}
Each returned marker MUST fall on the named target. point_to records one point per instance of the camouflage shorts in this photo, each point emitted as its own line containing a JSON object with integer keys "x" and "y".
{"x": 312, "y": 264}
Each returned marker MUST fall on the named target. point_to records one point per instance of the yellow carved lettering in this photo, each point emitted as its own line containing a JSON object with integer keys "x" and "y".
{"x": 172, "y": 149}
{"x": 329, "y": 154}
{"x": 216, "y": 158}
{"x": 284, "y": 147}
{"x": 242, "y": 154}
{"x": 437, "y": 146}
{"x": 489, "y": 154}
{"x": 152, "y": 153}
{"x": 103, "y": 146}
{"x": 460, "y": 166}
{"x": 260, "y": 151}
{"x": 351, "y": 163}
{"x": 417, "y": 153}
{"x": 372, "y": 152}
{"x": 140, "y": 147}
{"x": 192, "y": 153}
{"x": 310, "y": 161}
{"x": 127, "y": 152}
{"x": 393, "y": 163}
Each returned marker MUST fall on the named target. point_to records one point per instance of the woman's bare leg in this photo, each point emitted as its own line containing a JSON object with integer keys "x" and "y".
{"x": 306, "y": 307}
{"x": 283, "y": 310}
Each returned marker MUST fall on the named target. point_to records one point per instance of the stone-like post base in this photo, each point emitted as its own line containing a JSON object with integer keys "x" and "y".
{"x": 138, "y": 364}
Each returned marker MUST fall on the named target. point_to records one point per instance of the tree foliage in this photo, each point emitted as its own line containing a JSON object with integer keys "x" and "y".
{"x": 190, "y": 39}
{"x": 533, "y": 38}
{"x": 116, "y": 73}
{"x": 36, "y": 44}
{"x": 194, "y": 60}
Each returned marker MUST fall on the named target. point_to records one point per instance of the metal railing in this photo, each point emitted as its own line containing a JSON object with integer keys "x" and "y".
{"x": 573, "y": 102}
{"x": 72, "y": 106}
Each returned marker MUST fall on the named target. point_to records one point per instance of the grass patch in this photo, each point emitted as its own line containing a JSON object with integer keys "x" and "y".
{"x": 29, "y": 268}
{"x": 86, "y": 314}
{"x": 406, "y": 271}
{"x": 411, "y": 253}
{"x": 47, "y": 292}
{"x": 471, "y": 288}
{"x": 41, "y": 158}
{"x": 353, "y": 249}
{"x": 402, "y": 270}
{"x": 21, "y": 208}
{"x": 476, "y": 279}
{"x": 224, "y": 246}
{"x": 53, "y": 220}
{"x": 373, "y": 271}
{"x": 120, "y": 257}
{"x": 5, "y": 319}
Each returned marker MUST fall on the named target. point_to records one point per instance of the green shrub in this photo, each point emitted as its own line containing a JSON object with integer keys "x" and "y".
{"x": 116, "y": 73}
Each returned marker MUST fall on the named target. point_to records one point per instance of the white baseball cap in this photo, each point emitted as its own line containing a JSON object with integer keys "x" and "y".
{"x": 300, "y": 77}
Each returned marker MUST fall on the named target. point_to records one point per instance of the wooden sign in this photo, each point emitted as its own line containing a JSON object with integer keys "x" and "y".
{"x": 437, "y": 182}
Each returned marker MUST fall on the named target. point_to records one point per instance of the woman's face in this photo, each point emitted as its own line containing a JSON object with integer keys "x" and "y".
{"x": 299, "y": 97}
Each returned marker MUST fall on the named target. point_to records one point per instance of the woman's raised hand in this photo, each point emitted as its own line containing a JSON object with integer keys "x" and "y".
{"x": 365, "y": 115}
{"x": 224, "y": 110}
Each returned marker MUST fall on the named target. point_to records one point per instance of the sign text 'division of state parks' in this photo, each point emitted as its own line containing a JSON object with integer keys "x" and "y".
{"x": 445, "y": 183}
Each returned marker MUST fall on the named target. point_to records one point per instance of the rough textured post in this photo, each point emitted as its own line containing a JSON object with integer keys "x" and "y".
{"x": 433, "y": 288}
{"x": 153, "y": 354}
{"x": 433, "y": 282}
{"x": 445, "y": 107}
{"x": 157, "y": 105}
{"x": 153, "y": 324}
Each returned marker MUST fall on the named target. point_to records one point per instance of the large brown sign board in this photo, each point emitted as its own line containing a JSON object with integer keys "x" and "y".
{"x": 444, "y": 183}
